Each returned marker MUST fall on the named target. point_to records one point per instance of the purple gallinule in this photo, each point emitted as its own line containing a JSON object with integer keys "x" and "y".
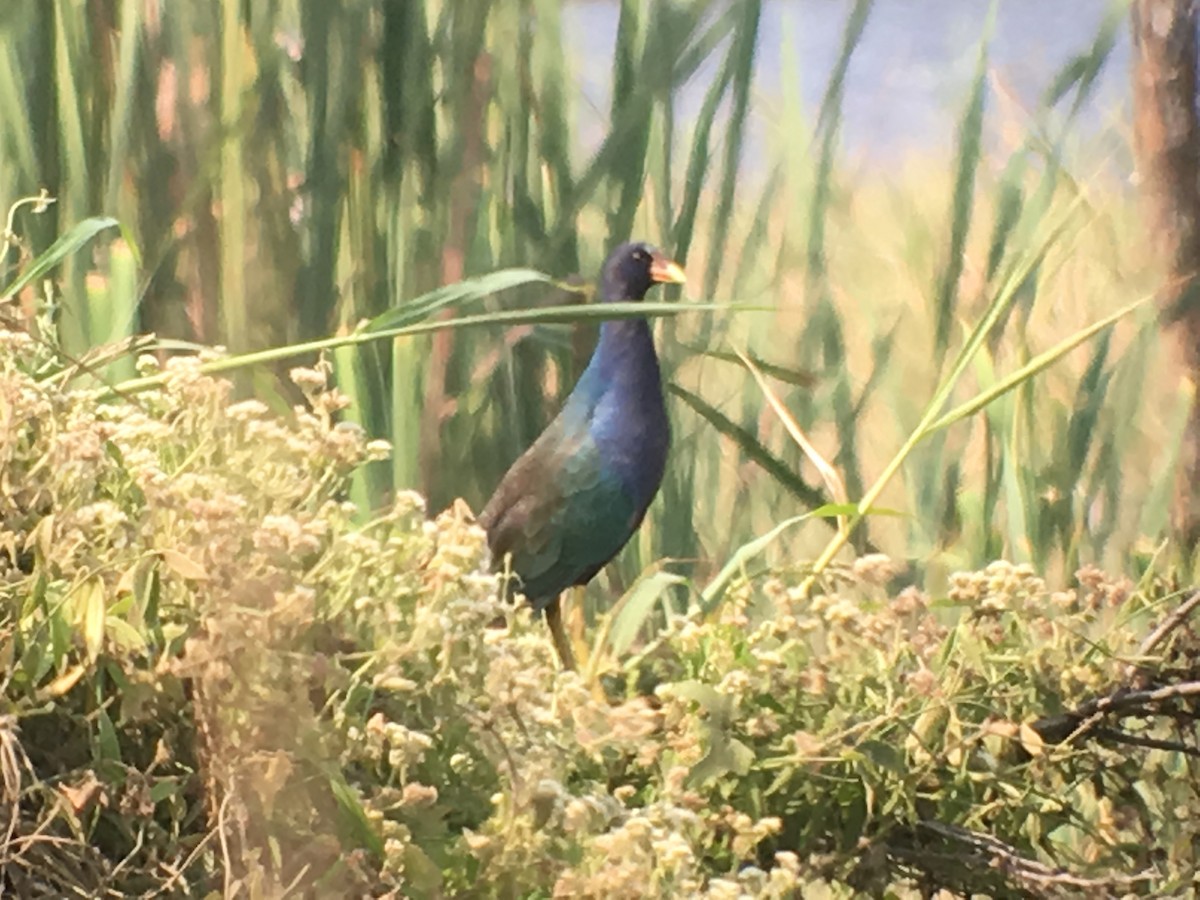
{"x": 573, "y": 499}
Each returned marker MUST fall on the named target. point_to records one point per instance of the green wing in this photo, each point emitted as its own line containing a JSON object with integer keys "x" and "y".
{"x": 558, "y": 513}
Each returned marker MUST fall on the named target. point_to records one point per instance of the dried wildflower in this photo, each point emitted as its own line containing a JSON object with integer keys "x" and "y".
{"x": 762, "y": 725}
{"x": 788, "y": 861}
{"x": 923, "y": 682}
{"x": 674, "y": 852}
{"x": 876, "y": 568}
{"x": 377, "y": 449}
{"x": 419, "y": 795}
{"x": 724, "y": 889}
{"x": 246, "y": 410}
{"x": 577, "y": 817}
{"x": 307, "y": 379}
{"x": 909, "y": 601}
{"x": 675, "y": 778}
{"x": 964, "y": 587}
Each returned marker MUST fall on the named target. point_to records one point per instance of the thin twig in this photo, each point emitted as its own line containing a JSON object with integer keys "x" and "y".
{"x": 225, "y": 844}
{"x": 1169, "y": 624}
{"x": 1137, "y": 740}
{"x": 1071, "y": 726}
{"x": 1123, "y": 700}
{"x": 177, "y": 874}
{"x": 1010, "y": 861}
{"x": 137, "y": 847}
{"x": 291, "y": 886}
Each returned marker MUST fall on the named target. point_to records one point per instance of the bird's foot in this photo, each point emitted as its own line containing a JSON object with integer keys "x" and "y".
{"x": 562, "y": 644}
{"x": 576, "y": 627}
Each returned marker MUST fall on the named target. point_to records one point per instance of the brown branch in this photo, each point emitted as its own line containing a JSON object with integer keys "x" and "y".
{"x": 1123, "y": 737}
{"x": 1169, "y": 624}
{"x": 1008, "y": 860}
{"x": 969, "y": 862}
{"x": 1082, "y": 721}
{"x": 1166, "y": 132}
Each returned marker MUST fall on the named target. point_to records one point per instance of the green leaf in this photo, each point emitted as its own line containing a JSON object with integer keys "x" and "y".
{"x": 124, "y": 635}
{"x": 725, "y": 755}
{"x": 69, "y": 243}
{"x": 884, "y": 755}
{"x": 559, "y": 315}
{"x": 146, "y": 588}
{"x": 356, "y": 829}
{"x": 705, "y": 696}
{"x": 164, "y": 788}
{"x": 635, "y": 608}
{"x": 90, "y": 604}
{"x": 752, "y": 447}
{"x": 183, "y": 565}
{"x": 108, "y": 747}
{"x": 469, "y": 290}
{"x": 421, "y": 872}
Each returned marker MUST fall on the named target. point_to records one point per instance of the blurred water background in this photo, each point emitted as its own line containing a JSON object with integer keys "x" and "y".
{"x": 909, "y": 77}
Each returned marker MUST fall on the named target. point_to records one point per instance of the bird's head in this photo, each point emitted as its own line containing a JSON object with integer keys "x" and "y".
{"x": 632, "y": 269}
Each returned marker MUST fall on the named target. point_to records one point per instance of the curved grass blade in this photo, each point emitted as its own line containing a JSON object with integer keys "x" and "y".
{"x": 795, "y": 377}
{"x": 833, "y": 481}
{"x": 468, "y": 290}
{"x": 698, "y": 161}
{"x": 744, "y": 554}
{"x": 556, "y": 315}
{"x": 997, "y": 308}
{"x": 1036, "y": 365}
{"x": 69, "y": 243}
{"x": 745, "y": 43}
{"x": 753, "y": 448}
{"x": 970, "y": 133}
{"x": 622, "y": 624}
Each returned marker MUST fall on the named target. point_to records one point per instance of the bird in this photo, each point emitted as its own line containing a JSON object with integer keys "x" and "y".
{"x": 580, "y": 491}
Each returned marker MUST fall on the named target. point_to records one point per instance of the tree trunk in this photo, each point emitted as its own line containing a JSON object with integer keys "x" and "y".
{"x": 1167, "y": 144}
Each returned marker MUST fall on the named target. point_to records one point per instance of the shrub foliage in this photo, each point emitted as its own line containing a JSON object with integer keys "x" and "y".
{"x": 219, "y": 679}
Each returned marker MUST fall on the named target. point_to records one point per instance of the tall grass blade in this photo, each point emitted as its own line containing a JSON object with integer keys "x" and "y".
{"x": 559, "y": 315}
{"x": 113, "y": 308}
{"x": 1082, "y": 71}
{"x": 74, "y": 240}
{"x": 752, "y": 448}
{"x": 629, "y": 163}
{"x": 1036, "y": 365}
{"x": 699, "y": 158}
{"x": 748, "y": 552}
{"x": 833, "y": 481}
{"x": 126, "y": 95}
{"x": 996, "y": 309}
{"x": 232, "y": 188}
{"x": 743, "y": 52}
{"x": 829, "y": 119}
{"x": 970, "y": 132}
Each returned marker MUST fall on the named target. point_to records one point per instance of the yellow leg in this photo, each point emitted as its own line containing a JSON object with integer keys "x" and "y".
{"x": 576, "y": 624}
{"x": 562, "y": 646}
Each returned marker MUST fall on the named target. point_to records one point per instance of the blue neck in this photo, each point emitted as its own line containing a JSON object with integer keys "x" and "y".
{"x": 624, "y": 361}
{"x": 619, "y": 401}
